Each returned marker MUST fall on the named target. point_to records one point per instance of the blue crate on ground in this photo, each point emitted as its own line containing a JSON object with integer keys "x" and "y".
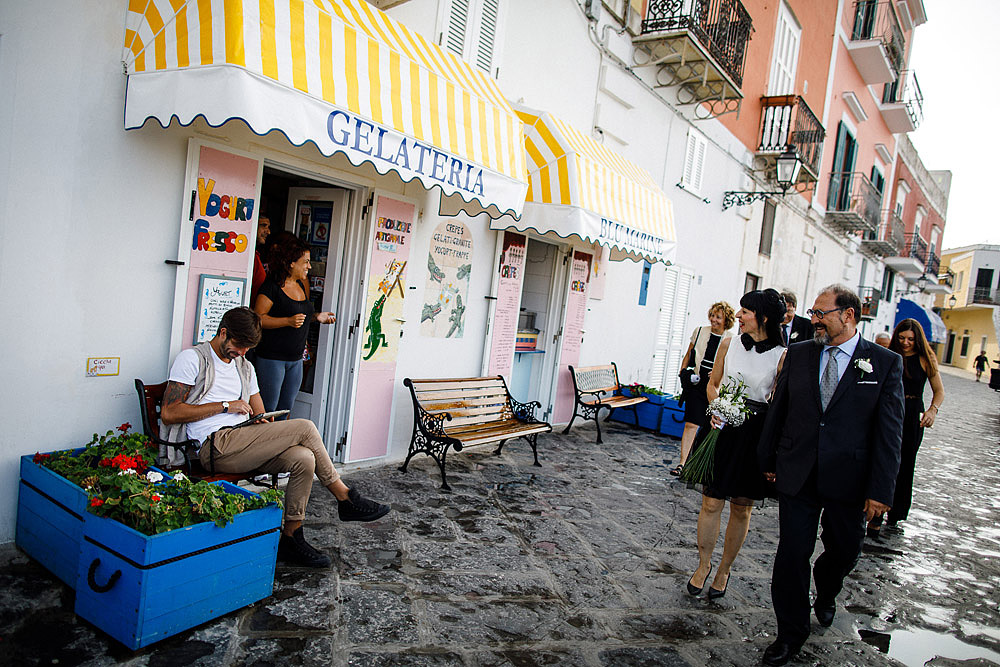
{"x": 140, "y": 589}
{"x": 649, "y": 412}
{"x": 50, "y": 511}
{"x": 672, "y": 419}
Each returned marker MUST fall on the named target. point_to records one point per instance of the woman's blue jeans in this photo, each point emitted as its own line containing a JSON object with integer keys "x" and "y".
{"x": 279, "y": 382}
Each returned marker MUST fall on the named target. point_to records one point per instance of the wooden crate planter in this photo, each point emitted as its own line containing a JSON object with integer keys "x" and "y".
{"x": 50, "y": 513}
{"x": 672, "y": 419}
{"x": 140, "y": 589}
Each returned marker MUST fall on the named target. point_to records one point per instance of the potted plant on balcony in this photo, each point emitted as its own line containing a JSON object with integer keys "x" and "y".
{"x": 152, "y": 554}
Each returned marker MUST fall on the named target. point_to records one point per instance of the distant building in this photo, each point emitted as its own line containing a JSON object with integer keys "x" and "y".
{"x": 972, "y": 312}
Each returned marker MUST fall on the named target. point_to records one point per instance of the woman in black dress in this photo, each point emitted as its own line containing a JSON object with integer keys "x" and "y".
{"x": 699, "y": 358}
{"x": 285, "y": 311}
{"x": 919, "y": 366}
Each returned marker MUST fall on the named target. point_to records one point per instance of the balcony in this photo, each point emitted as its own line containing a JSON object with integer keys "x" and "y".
{"x": 698, "y": 46}
{"x": 984, "y": 296}
{"x": 912, "y": 261}
{"x": 853, "y": 203}
{"x": 870, "y": 298}
{"x": 887, "y": 240}
{"x": 902, "y": 104}
{"x": 787, "y": 121}
{"x": 877, "y": 46}
{"x": 932, "y": 264}
{"x": 947, "y": 278}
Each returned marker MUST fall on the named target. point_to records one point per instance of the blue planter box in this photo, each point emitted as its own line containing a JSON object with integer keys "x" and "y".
{"x": 140, "y": 589}
{"x": 50, "y": 512}
{"x": 649, "y": 412}
{"x": 672, "y": 419}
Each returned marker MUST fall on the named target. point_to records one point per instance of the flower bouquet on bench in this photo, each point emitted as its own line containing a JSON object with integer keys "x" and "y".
{"x": 149, "y": 554}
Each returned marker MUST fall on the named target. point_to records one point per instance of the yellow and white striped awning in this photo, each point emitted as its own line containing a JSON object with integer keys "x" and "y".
{"x": 578, "y": 187}
{"x": 338, "y": 73}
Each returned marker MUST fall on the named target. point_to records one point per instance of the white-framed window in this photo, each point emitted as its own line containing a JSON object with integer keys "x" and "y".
{"x": 785, "y": 57}
{"x": 694, "y": 161}
{"x": 935, "y": 235}
{"x": 918, "y": 221}
{"x": 902, "y": 189}
{"x": 472, "y": 30}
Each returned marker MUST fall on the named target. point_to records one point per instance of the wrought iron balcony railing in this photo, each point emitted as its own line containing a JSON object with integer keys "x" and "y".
{"x": 876, "y": 19}
{"x": 722, "y": 26}
{"x": 916, "y": 248}
{"x": 887, "y": 240}
{"x": 870, "y": 298}
{"x": 905, "y": 90}
{"x": 933, "y": 263}
{"x": 984, "y": 295}
{"x": 947, "y": 278}
{"x": 786, "y": 120}
{"x": 853, "y": 203}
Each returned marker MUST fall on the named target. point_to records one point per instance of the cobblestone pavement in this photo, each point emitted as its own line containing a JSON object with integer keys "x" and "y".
{"x": 579, "y": 562}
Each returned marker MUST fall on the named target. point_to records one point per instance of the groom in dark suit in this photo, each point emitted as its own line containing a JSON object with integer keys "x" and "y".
{"x": 831, "y": 445}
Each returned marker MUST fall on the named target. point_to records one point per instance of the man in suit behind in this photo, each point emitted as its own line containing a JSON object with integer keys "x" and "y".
{"x": 831, "y": 444}
{"x": 794, "y": 328}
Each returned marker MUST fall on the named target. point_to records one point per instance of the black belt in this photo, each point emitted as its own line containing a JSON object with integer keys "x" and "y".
{"x": 755, "y": 407}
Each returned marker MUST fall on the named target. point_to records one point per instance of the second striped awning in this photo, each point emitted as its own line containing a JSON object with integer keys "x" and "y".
{"x": 578, "y": 187}
{"x": 337, "y": 73}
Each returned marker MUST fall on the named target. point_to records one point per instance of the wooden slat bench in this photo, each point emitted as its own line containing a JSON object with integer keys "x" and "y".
{"x": 590, "y": 383}
{"x": 461, "y": 412}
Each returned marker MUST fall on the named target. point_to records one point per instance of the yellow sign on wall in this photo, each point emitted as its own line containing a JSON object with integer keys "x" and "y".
{"x": 102, "y": 366}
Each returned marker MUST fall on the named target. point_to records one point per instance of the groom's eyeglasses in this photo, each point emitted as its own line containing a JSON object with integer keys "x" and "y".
{"x": 820, "y": 314}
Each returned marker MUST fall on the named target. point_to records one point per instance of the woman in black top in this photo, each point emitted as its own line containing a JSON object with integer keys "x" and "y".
{"x": 919, "y": 366}
{"x": 285, "y": 310}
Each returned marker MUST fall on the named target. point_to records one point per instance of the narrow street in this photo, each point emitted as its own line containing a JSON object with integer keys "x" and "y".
{"x": 579, "y": 562}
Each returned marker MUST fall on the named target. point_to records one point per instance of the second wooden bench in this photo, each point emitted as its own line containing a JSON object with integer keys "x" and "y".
{"x": 590, "y": 384}
{"x": 460, "y": 412}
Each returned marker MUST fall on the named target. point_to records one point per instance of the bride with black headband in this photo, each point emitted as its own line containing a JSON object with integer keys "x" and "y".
{"x": 754, "y": 357}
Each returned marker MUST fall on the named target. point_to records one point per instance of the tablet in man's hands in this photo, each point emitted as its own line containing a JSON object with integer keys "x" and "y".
{"x": 265, "y": 416}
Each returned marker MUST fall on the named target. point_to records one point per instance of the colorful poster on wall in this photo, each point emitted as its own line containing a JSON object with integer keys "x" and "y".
{"x": 216, "y": 296}
{"x": 446, "y": 294}
{"x": 382, "y": 324}
{"x": 576, "y": 312}
{"x": 223, "y": 209}
{"x": 508, "y": 304}
{"x": 598, "y": 272}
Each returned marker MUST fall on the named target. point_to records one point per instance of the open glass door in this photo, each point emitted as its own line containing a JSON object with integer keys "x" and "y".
{"x": 318, "y": 216}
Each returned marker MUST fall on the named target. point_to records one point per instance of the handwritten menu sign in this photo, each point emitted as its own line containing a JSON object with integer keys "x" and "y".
{"x": 507, "y": 304}
{"x": 216, "y": 296}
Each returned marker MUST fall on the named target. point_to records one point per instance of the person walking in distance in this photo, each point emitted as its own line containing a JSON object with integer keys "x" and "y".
{"x": 831, "y": 445}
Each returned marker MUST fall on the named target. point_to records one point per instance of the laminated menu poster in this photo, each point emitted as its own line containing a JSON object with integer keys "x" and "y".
{"x": 216, "y": 296}
{"x": 576, "y": 311}
{"x": 446, "y": 294}
{"x": 508, "y": 304}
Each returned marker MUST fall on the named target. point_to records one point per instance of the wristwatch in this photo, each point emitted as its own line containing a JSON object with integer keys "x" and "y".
{"x": 225, "y": 406}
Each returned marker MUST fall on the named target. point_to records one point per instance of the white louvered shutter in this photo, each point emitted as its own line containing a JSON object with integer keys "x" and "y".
{"x": 671, "y": 330}
{"x": 471, "y": 30}
{"x": 694, "y": 161}
{"x": 785, "y": 58}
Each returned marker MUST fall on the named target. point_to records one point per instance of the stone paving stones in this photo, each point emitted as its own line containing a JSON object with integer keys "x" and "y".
{"x": 581, "y": 562}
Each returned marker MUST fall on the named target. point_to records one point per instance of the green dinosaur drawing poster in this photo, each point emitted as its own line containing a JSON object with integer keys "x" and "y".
{"x": 446, "y": 294}
{"x": 386, "y": 285}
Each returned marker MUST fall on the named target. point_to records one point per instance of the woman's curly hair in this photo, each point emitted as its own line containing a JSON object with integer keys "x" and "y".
{"x": 727, "y": 312}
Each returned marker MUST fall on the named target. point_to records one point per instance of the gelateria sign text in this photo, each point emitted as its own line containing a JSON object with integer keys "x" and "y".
{"x": 387, "y": 148}
{"x": 616, "y": 234}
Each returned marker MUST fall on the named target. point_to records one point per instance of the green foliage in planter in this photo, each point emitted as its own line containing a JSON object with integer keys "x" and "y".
{"x": 638, "y": 389}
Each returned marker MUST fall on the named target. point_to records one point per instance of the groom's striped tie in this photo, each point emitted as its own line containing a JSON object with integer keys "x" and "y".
{"x": 828, "y": 383}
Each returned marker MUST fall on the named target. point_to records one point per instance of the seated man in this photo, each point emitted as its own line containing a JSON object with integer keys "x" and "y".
{"x": 212, "y": 388}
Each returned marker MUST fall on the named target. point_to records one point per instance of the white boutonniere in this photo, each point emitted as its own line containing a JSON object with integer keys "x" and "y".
{"x": 864, "y": 365}
{"x": 795, "y": 334}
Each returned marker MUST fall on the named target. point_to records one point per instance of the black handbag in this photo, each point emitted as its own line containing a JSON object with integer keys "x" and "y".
{"x": 688, "y": 371}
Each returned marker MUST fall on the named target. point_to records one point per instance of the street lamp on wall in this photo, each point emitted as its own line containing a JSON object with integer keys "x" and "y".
{"x": 786, "y": 173}
{"x": 952, "y": 300}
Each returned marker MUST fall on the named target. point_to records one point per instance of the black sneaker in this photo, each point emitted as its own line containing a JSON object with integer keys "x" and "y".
{"x": 359, "y": 508}
{"x": 294, "y": 550}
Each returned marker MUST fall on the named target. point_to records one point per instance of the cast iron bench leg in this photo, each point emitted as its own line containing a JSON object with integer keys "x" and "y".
{"x": 597, "y": 420}
{"x": 444, "y": 478}
{"x": 499, "y": 447}
{"x": 566, "y": 430}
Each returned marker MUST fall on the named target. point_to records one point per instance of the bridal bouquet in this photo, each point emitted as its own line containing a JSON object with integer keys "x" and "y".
{"x": 731, "y": 408}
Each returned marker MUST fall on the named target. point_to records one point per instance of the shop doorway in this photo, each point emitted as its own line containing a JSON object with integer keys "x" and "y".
{"x": 949, "y": 350}
{"x": 543, "y": 295}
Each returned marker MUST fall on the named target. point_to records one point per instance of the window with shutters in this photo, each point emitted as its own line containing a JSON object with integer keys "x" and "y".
{"x": 785, "y": 58}
{"x": 471, "y": 30}
{"x": 671, "y": 330}
{"x": 751, "y": 283}
{"x": 694, "y": 162}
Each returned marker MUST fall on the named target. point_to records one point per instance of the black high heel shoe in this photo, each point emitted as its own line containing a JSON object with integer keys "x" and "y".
{"x": 696, "y": 590}
{"x": 714, "y": 594}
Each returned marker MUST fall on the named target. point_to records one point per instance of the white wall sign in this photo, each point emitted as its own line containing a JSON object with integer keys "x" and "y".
{"x": 102, "y": 366}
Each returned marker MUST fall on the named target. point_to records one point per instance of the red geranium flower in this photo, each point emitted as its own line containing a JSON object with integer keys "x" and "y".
{"x": 105, "y": 462}
{"x": 38, "y": 458}
{"x": 96, "y": 502}
{"x": 125, "y": 427}
{"x": 156, "y": 499}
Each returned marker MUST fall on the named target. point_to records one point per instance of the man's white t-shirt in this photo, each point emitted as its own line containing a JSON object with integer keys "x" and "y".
{"x": 226, "y": 388}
